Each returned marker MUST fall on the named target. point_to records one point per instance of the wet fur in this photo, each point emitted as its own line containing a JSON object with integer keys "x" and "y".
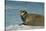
{"x": 33, "y": 19}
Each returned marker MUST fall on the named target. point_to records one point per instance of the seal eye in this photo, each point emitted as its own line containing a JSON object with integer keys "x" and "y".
{"x": 23, "y": 11}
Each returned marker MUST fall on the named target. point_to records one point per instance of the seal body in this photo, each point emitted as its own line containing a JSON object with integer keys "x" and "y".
{"x": 32, "y": 19}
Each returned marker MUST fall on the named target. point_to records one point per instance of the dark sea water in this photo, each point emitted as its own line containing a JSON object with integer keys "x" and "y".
{"x": 13, "y": 17}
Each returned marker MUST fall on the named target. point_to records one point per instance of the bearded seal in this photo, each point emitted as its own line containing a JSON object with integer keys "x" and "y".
{"x": 32, "y": 19}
